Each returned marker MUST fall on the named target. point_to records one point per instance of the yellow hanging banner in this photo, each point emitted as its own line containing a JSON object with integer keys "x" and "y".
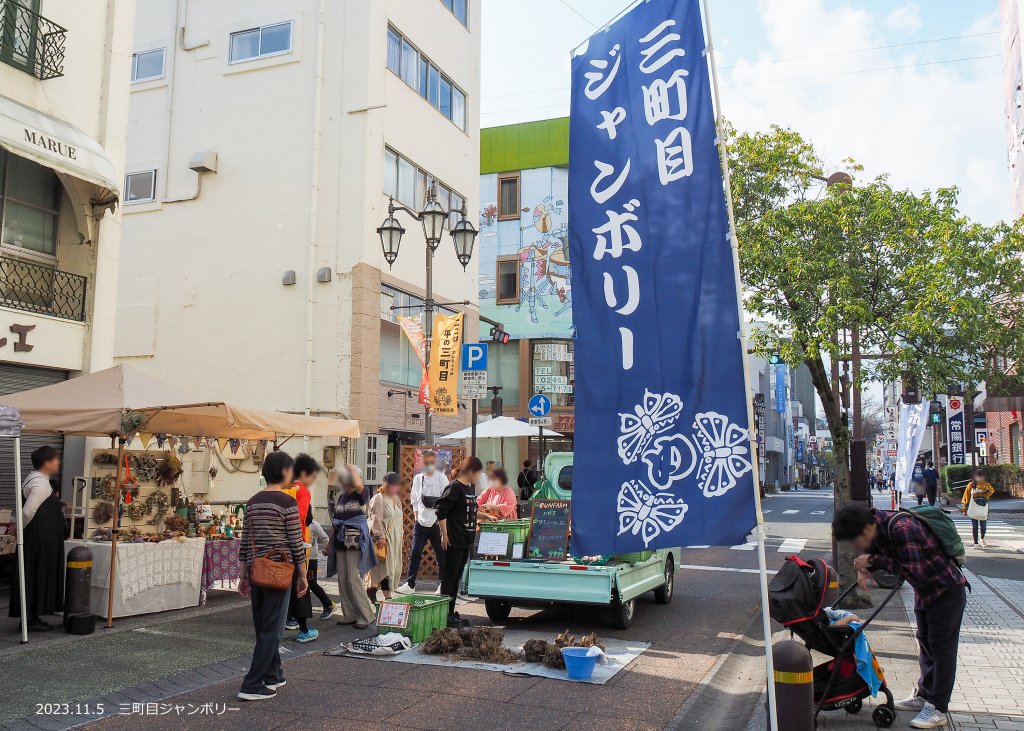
{"x": 445, "y": 349}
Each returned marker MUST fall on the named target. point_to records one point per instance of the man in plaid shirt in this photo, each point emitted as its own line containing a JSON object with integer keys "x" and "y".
{"x": 903, "y": 544}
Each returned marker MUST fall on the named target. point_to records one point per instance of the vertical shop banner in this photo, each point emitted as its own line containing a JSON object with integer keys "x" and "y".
{"x": 913, "y": 425}
{"x": 956, "y": 438}
{"x": 663, "y": 446}
{"x": 413, "y": 329}
{"x": 445, "y": 350}
{"x": 781, "y": 370}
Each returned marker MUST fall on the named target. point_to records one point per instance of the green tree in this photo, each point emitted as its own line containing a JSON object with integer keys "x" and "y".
{"x": 936, "y": 295}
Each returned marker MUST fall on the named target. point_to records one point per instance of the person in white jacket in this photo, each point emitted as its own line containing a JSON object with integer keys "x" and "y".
{"x": 427, "y": 487}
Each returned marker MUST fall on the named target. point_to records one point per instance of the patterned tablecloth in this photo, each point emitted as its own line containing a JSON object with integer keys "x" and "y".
{"x": 220, "y": 563}
{"x": 8, "y": 538}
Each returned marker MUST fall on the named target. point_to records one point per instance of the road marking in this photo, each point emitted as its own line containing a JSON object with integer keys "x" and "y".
{"x": 743, "y": 547}
{"x": 696, "y": 546}
{"x": 793, "y": 545}
{"x": 790, "y": 512}
{"x": 766, "y": 511}
{"x": 818, "y": 512}
{"x": 693, "y": 567}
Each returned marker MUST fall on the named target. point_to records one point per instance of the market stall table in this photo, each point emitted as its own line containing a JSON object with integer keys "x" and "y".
{"x": 8, "y": 538}
{"x": 151, "y": 577}
{"x": 220, "y": 563}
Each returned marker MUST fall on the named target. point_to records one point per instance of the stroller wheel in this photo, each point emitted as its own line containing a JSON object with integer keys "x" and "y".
{"x": 855, "y": 706}
{"x": 884, "y": 717}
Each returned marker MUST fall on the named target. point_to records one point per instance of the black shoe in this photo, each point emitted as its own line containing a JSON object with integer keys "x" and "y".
{"x": 457, "y": 622}
{"x": 256, "y": 695}
{"x": 38, "y": 625}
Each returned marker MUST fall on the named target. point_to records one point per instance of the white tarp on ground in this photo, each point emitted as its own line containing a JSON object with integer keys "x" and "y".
{"x": 618, "y": 652}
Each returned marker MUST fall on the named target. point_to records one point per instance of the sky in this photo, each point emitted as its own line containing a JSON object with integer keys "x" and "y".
{"x": 822, "y": 67}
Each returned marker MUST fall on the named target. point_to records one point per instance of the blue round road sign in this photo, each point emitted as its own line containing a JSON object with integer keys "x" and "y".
{"x": 540, "y": 405}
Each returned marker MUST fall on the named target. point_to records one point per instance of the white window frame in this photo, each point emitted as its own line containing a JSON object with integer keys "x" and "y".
{"x": 421, "y": 60}
{"x": 132, "y": 201}
{"x": 259, "y": 52}
{"x": 136, "y": 79}
{"x": 429, "y": 179}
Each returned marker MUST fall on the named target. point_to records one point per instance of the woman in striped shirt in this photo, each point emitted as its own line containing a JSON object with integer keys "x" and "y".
{"x": 271, "y": 521}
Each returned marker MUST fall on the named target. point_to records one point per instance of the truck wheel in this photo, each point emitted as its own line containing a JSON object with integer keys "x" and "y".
{"x": 663, "y": 594}
{"x": 622, "y": 613}
{"x": 497, "y": 609}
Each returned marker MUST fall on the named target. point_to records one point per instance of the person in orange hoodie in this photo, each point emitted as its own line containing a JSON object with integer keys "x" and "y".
{"x": 300, "y": 608}
{"x": 978, "y": 491}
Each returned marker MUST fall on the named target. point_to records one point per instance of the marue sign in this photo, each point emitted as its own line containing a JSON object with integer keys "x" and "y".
{"x": 50, "y": 144}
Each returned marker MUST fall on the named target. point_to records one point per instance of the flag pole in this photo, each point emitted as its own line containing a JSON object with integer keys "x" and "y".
{"x": 761, "y": 560}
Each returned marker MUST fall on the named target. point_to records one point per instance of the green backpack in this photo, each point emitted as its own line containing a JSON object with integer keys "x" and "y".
{"x": 942, "y": 527}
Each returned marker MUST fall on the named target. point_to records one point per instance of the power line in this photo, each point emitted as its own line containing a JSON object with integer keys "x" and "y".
{"x": 772, "y": 60}
{"x": 566, "y": 4}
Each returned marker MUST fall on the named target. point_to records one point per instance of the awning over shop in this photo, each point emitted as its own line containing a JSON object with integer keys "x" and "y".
{"x": 79, "y": 160}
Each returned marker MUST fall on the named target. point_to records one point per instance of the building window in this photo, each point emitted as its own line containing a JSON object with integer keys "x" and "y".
{"x": 416, "y": 70}
{"x": 459, "y": 10}
{"x": 29, "y": 205}
{"x": 268, "y": 40}
{"x": 148, "y": 65}
{"x": 140, "y": 187}
{"x": 507, "y": 279}
{"x": 508, "y": 197}
{"x": 554, "y": 370}
{"x": 408, "y": 184}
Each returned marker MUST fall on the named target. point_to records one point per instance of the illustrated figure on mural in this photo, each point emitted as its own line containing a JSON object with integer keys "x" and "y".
{"x": 544, "y": 264}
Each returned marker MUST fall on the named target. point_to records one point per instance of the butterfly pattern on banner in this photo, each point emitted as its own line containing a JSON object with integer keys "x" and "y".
{"x": 663, "y": 451}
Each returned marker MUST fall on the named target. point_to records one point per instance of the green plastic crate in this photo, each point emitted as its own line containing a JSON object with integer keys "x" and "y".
{"x": 518, "y": 530}
{"x": 428, "y": 612}
{"x": 635, "y": 557}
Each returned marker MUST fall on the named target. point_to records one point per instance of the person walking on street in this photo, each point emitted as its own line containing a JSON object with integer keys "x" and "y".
{"x": 387, "y": 529}
{"x": 43, "y": 544}
{"x": 427, "y": 487}
{"x": 456, "y": 516}
{"x": 526, "y": 480}
{"x": 931, "y": 483}
{"x": 351, "y": 554}
{"x": 975, "y": 503}
{"x": 320, "y": 541}
{"x": 300, "y": 609}
{"x": 901, "y": 543}
{"x": 271, "y": 522}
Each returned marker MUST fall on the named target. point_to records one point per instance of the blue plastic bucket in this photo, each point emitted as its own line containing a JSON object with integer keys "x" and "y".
{"x": 578, "y": 665}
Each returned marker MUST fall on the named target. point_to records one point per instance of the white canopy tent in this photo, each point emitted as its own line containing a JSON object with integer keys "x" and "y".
{"x": 500, "y": 427}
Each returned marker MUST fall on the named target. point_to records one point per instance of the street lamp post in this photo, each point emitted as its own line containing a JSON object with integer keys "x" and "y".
{"x": 434, "y": 219}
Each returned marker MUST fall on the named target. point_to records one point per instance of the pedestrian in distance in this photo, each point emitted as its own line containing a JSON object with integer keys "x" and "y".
{"x": 498, "y": 501}
{"x": 43, "y": 543}
{"x": 320, "y": 541}
{"x": 271, "y": 523}
{"x": 931, "y": 483}
{"x": 919, "y": 490}
{"x": 351, "y": 554}
{"x": 526, "y": 480}
{"x": 456, "y": 517}
{"x": 300, "y": 609}
{"x": 427, "y": 487}
{"x": 903, "y": 543}
{"x": 975, "y": 503}
{"x": 387, "y": 527}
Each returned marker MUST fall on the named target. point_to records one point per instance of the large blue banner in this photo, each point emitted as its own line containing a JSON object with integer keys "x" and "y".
{"x": 663, "y": 450}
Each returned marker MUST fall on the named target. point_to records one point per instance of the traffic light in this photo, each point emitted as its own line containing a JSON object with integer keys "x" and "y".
{"x": 911, "y": 393}
{"x": 774, "y": 358}
{"x": 935, "y": 413}
{"x": 499, "y": 336}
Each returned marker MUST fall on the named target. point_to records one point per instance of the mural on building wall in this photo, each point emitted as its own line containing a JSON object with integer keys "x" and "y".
{"x": 539, "y": 241}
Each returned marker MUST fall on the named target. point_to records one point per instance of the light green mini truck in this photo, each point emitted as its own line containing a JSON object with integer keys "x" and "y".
{"x": 613, "y": 582}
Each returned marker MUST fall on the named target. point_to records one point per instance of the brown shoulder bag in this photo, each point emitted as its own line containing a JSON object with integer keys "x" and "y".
{"x": 269, "y": 574}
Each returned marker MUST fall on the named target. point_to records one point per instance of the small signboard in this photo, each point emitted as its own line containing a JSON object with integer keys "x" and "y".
{"x": 393, "y": 614}
{"x": 549, "y": 530}
{"x": 474, "y": 384}
{"x": 493, "y": 543}
{"x": 540, "y": 421}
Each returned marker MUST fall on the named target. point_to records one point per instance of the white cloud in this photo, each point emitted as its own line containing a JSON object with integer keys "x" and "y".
{"x": 904, "y": 18}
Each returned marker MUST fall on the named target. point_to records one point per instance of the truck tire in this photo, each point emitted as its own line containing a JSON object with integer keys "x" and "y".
{"x": 497, "y": 609}
{"x": 622, "y": 613}
{"x": 663, "y": 594}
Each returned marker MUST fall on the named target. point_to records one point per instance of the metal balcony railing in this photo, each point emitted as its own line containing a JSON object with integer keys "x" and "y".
{"x": 30, "y": 42}
{"x": 37, "y": 288}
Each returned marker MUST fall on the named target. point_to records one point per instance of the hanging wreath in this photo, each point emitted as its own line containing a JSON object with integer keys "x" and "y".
{"x": 158, "y": 504}
{"x": 107, "y": 488}
{"x": 130, "y": 423}
{"x": 138, "y": 510}
{"x": 145, "y": 467}
{"x": 102, "y": 512}
{"x": 169, "y": 471}
{"x": 105, "y": 459}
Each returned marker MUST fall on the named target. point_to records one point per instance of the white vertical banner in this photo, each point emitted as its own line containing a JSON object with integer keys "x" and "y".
{"x": 913, "y": 425}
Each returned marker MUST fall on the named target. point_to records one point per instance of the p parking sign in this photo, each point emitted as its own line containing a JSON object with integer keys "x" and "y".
{"x": 474, "y": 356}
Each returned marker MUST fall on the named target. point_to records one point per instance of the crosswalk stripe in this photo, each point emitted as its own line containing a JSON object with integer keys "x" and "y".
{"x": 793, "y": 545}
{"x": 818, "y": 512}
{"x": 790, "y": 512}
{"x": 766, "y": 511}
{"x": 744, "y": 547}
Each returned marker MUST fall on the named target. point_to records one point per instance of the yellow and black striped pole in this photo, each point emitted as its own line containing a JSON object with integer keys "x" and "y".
{"x": 794, "y": 686}
{"x": 78, "y": 590}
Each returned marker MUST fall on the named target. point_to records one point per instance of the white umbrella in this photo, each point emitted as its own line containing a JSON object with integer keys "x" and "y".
{"x": 500, "y": 427}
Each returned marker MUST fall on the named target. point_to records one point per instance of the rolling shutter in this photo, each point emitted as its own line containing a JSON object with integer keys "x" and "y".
{"x": 21, "y": 378}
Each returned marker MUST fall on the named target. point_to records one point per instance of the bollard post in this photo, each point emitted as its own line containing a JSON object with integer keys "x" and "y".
{"x": 78, "y": 617}
{"x": 794, "y": 686}
{"x": 832, "y": 590}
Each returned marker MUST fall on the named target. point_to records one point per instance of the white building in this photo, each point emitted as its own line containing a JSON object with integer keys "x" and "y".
{"x": 63, "y": 120}
{"x": 265, "y": 138}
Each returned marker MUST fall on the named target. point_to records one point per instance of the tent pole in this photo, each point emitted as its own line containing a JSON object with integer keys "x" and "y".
{"x": 115, "y": 527}
{"x": 21, "y": 541}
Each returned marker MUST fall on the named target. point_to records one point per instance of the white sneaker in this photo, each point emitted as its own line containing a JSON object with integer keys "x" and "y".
{"x": 912, "y": 703}
{"x": 405, "y": 589}
{"x": 929, "y": 718}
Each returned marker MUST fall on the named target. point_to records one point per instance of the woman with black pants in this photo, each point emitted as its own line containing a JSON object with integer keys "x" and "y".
{"x": 271, "y": 521}
{"x": 456, "y": 515}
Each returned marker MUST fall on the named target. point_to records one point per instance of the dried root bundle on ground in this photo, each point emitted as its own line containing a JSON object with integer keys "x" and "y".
{"x": 535, "y": 650}
{"x": 482, "y": 643}
{"x": 552, "y": 653}
{"x": 442, "y": 642}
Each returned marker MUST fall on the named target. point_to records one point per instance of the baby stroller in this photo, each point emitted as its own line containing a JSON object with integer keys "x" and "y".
{"x": 796, "y": 599}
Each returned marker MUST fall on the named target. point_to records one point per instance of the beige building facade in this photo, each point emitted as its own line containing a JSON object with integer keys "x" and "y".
{"x": 63, "y": 122}
{"x": 265, "y": 139}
